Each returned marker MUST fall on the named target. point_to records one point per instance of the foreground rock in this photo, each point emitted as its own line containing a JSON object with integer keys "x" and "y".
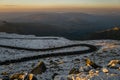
{"x": 74, "y": 71}
{"x": 91, "y": 75}
{"x": 39, "y": 69}
{"x": 22, "y": 76}
{"x": 113, "y": 63}
{"x": 105, "y": 70}
{"x": 19, "y": 76}
{"x": 30, "y": 77}
{"x": 92, "y": 64}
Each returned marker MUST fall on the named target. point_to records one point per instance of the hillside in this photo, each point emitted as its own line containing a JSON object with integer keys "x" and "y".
{"x": 113, "y": 33}
{"x": 58, "y": 66}
{"x": 40, "y": 29}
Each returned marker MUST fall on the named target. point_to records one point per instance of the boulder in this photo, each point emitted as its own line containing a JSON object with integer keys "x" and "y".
{"x": 22, "y": 76}
{"x": 30, "y": 77}
{"x": 105, "y": 70}
{"x": 18, "y": 76}
{"x": 92, "y": 64}
{"x": 39, "y": 69}
{"x": 113, "y": 63}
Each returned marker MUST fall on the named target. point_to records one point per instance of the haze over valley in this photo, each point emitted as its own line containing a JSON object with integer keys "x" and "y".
{"x": 72, "y": 25}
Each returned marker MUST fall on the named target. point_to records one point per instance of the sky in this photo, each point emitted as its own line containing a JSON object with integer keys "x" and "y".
{"x": 7, "y": 5}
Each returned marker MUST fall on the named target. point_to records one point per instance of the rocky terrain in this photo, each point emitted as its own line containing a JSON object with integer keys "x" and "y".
{"x": 103, "y": 64}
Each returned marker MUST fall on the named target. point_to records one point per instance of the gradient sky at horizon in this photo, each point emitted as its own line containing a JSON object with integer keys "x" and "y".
{"x": 32, "y": 4}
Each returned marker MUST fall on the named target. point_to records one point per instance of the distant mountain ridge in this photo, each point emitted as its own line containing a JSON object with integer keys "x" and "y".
{"x": 72, "y": 25}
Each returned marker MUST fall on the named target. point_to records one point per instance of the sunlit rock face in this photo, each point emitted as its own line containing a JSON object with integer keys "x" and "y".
{"x": 111, "y": 33}
{"x": 116, "y": 29}
{"x": 105, "y": 70}
{"x": 39, "y": 69}
{"x": 22, "y": 76}
{"x": 113, "y": 63}
{"x": 91, "y": 75}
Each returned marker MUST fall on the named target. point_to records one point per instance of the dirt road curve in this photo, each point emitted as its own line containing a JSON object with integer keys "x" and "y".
{"x": 91, "y": 48}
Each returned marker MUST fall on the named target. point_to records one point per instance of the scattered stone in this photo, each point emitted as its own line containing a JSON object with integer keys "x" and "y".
{"x": 22, "y": 76}
{"x": 4, "y": 73}
{"x": 85, "y": 69}
{"x": 92, "y": 64}
{"x": 119, "y": 68}
{"x": 74, "y": 71}
{"x": 69, "y": 77}
{"x": 39, "y": 69}
{"x": 113, "y": 63}
{"x": 93, "y": 73}
{"x": 97, "y": 72}
{"x": 19, "y": 76}
{"x": 105, "y": 70}
{"x": 30, "y": 77}
{"x": 77, "y": 77}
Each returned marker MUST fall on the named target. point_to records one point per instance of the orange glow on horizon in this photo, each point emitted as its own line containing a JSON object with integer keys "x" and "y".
{"x": 52, "y": 7}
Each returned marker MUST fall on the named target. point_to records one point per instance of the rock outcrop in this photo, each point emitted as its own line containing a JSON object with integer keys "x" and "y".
{"x": 39, "y": 69}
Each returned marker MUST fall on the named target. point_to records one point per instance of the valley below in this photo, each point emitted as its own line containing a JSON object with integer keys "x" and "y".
{"x": 71, "y": 25}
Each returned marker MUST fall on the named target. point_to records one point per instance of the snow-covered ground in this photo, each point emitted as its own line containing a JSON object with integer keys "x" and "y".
{"x": 36, "y": 42}
{"x": 108, "y": 50}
